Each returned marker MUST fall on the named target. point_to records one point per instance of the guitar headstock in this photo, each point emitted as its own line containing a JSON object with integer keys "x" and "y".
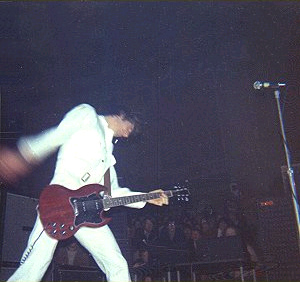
{"x": 181, "y": 192}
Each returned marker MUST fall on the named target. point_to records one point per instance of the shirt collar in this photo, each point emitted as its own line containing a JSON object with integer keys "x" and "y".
{"x": 108, "y": 132}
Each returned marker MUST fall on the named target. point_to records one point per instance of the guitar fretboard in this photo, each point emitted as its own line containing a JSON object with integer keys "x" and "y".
{"x": 123, "y": 201}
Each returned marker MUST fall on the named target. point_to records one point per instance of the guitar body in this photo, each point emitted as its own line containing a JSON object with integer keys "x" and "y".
{"x": 64, "y": 211}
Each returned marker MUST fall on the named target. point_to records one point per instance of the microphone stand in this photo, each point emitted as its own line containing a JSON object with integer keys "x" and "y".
{"x": 290, "y": 170}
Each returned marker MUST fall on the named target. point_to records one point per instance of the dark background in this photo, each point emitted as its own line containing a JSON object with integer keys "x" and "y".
{"x": 188, "y": 67}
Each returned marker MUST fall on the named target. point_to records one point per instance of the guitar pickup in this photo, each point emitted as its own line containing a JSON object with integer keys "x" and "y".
{"x": 75, "y": 206}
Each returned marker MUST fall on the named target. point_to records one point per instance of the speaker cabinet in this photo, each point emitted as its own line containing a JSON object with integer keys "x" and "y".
{"x": 6, "y": 271}
{"x": 18, "y": 220}
{"x": 70, "y": 273}
{"x": 277, "y": 237}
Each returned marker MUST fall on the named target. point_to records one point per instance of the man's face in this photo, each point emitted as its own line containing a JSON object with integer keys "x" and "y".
{"x": 122, "y": 127}
{"x": 171, "y": 226}
{"x": 195, "y": 235}
{"x": 148, "y": 225}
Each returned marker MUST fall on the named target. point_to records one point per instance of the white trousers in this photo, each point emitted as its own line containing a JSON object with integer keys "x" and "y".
{"x": 100, "y": 242}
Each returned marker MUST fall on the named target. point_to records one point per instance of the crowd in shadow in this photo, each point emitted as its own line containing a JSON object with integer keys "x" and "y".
{"x": 179, "y": 234}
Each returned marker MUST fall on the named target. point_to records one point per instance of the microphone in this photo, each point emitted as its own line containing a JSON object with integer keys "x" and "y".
{"x": 263, "y": 84}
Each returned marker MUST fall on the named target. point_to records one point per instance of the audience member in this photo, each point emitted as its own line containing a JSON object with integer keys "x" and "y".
{"x": 187, "y": 235}
{"x": 208, "y": 228}
{"x": 147, "y": 234}
{"x": 71, "y": 253}
{"x": 193, "y": 245}
{"x": 226, "y": 228}
{"x": 142, "y": 266}
{"x": 171, "y": 235}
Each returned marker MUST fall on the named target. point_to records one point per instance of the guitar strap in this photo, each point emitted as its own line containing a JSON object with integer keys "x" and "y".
{"x": 107, "y": 183}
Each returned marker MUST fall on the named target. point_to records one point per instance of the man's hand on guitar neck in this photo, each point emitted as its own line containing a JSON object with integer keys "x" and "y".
{"x": 162, "y": 200}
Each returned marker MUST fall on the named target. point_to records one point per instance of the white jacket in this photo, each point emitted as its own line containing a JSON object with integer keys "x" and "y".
{"x": 85, "y": 151}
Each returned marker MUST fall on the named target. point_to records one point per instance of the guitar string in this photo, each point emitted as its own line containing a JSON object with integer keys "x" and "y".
{"x": 118, "y": 199}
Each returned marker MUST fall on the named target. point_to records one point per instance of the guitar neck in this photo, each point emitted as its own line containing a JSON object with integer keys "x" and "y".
{"x": 126, "y": 200}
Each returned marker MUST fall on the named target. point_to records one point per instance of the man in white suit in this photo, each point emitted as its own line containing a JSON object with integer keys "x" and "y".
{"x": 84, "y": 140}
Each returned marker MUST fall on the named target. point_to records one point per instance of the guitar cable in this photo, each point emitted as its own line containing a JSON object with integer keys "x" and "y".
{"x": 26, "y": 255}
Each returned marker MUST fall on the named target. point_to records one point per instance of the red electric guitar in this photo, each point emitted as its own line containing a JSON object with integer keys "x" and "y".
{"x": 64, "y": 211}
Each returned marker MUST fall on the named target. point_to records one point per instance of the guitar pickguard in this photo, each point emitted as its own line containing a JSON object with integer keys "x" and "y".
{"x": 87, "y": 209}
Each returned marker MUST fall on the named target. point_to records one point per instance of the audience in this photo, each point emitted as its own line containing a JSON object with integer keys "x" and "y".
{"x": 180, "y": 229}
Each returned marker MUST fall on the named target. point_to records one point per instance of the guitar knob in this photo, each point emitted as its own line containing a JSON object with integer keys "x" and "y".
{"x": 54, "y": 224}
{"x": 63, "y": 232}
{"x": 62, "y": 226}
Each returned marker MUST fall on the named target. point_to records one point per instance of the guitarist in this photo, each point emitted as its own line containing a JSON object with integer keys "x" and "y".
{"x": 84, "y": 140}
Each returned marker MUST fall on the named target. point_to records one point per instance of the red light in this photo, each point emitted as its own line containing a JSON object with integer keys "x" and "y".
{"x": 267, "y": 203}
